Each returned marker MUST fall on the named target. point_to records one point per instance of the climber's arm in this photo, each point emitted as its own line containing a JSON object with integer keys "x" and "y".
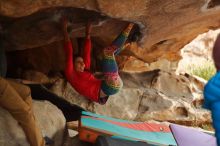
{"x": 69, "y": 52}
{"x": 87, "y": 48}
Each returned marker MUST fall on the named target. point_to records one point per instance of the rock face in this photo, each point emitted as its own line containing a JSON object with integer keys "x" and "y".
{"x": 50, "y": 120}
{"x": 132, "y": 64}
{"x": 156, "y": 95}
{"x": 166, "y": 25}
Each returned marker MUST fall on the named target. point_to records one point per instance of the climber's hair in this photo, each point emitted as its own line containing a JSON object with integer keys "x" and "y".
{"x": 76, "y": 56}
{"x": 135, "y": 34}
{"x": 216, "y": 53}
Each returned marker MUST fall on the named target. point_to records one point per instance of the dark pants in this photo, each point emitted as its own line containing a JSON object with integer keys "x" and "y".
{"x": 71, "y": 112}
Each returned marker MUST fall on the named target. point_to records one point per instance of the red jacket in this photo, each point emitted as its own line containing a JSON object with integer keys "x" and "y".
{"x": 83, "y": 82}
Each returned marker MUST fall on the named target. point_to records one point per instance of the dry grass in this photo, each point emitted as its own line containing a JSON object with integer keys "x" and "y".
{"x": 206, "y": 70}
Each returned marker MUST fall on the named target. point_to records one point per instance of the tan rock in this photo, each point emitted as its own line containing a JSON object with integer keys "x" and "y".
{"x": 123, "y": 105}
{"x": 155, "y": 95}
{"x": 132, "y": 64}
{"x": 173, "y": 85}
{"x": 35, "y": 76}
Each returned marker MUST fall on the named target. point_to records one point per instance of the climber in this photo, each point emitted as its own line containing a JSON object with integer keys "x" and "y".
{"x": 83, "y": 81}
{"x": 16, "y": 99}
{"x": 212, "y": 91}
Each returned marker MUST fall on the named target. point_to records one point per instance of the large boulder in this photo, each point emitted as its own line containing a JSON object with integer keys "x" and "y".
{"x": 155, "y": 95}
{"x": 132, "y": 64}
{"x": 166, "y": 25}
{"x": 49, "y": 118}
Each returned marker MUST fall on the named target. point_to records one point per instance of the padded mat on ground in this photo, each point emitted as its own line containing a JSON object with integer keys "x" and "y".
{"x": 92, "y": 125}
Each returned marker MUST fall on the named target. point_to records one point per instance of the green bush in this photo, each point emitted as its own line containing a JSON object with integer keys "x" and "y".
{"x": 205, "y": 70}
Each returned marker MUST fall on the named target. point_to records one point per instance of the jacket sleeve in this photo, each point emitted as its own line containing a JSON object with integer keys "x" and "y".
{"x": 212, "y": 102}
{"x": 69, "y": 68}
{"x": 215, "y": 110}
{"x": 87, "y": 53}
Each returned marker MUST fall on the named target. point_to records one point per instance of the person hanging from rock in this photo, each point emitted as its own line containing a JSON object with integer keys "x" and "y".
{"x": 16, "y": 99}
{"x": 83, "y": 81}
{"x": 212, "y": 92}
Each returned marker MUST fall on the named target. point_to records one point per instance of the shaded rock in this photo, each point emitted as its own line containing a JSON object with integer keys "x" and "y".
{"x": 45, "y": 59}
{"x": 49, "y": 59}
{"x": 50, "y": 120}
{"x": 186, "y": 20}
{"x": 44, "y": 28}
